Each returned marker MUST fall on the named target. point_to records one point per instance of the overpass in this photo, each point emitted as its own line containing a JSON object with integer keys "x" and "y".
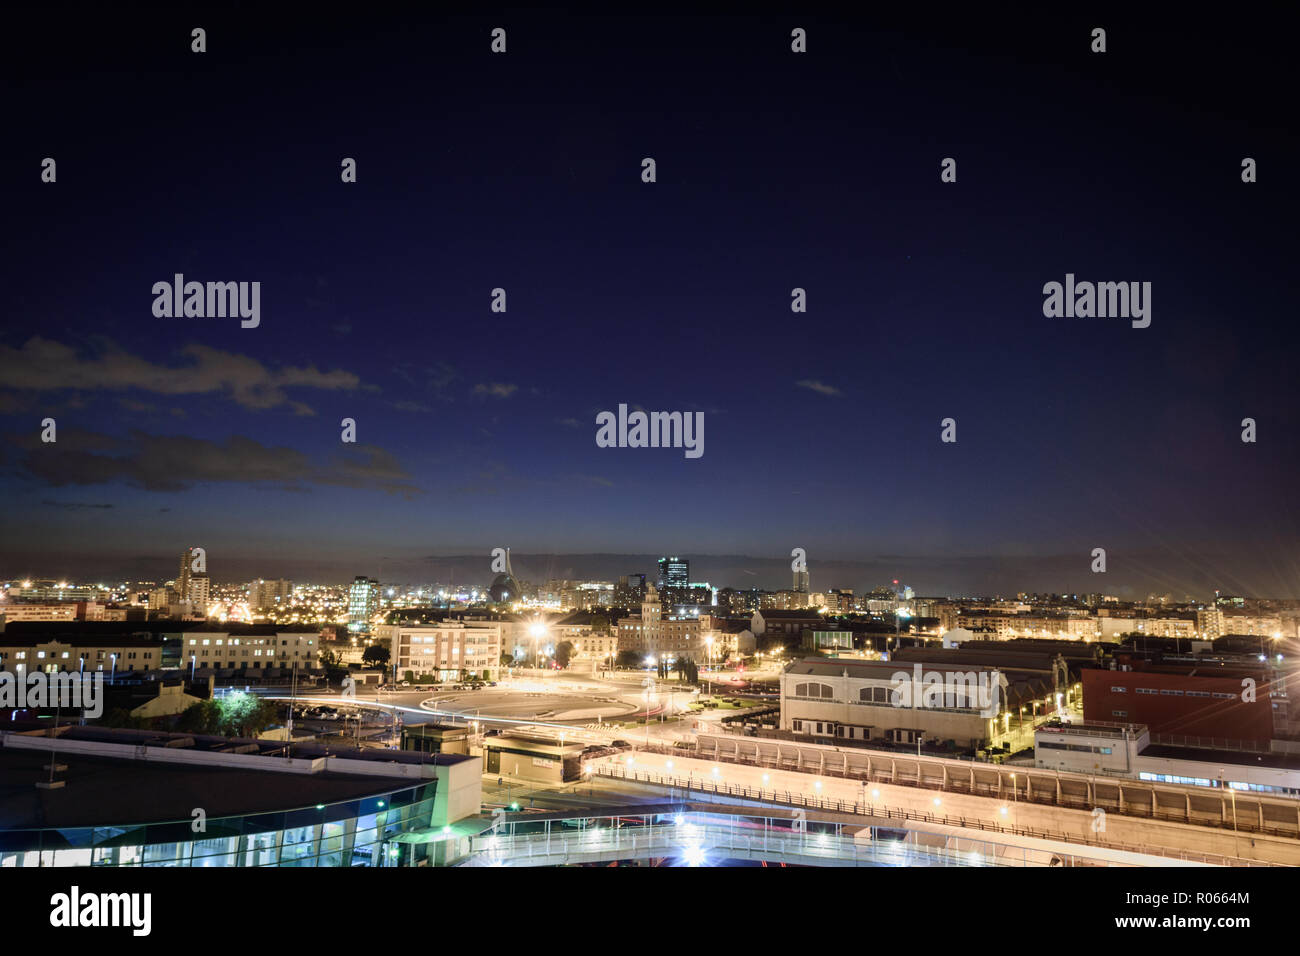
{"x": 703, "y": 834}
{"x": 1084, "y": 831}
{"x": 1246, "y": 811}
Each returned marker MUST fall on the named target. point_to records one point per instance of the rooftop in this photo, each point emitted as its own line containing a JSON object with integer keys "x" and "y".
{"x": 106, "y": 790}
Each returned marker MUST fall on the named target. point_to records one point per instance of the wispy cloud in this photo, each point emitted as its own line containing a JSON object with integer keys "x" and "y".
{"x": 175, "y": 463}
{"x": 821, "y": 388}
{"x": 42, "y": 365}
{"x": 495, "y": 390}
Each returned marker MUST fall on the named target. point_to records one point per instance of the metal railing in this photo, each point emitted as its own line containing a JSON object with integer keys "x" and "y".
{"x": 1048, "y": 797}
{"x": 1210, "y": 743}
{"x": 697, "y": 842}
{"x": 793, "y": 798}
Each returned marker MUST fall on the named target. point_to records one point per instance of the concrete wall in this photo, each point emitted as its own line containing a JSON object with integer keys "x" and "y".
{"x": 460, "y": 792}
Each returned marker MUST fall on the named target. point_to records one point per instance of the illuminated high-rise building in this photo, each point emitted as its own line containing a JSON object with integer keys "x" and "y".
{"x": 674, "y": 573}
{"x": 266, "y": 594}
{"x": 363, "y": 602}
{"x": 199, "y": 592}
{"x": 183, "y": 578}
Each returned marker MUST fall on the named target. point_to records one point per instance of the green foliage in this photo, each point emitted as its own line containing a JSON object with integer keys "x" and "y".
{"x": 235, "y": 715}
{"x": 563, "y": 653}
{"x": 686, "y": 670}
{"x": 376, "y": 655}
{"x": 335, "y": 669}
{"x": 121, "y": 717}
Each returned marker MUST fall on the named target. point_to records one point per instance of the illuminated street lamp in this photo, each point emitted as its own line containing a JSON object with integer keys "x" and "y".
{"x": 537, "y": 630}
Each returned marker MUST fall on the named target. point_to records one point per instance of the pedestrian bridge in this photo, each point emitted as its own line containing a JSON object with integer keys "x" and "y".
{"x": 710, "y": 834}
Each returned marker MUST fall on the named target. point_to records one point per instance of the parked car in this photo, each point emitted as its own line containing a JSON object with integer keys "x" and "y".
{"x": 621, "y": 745}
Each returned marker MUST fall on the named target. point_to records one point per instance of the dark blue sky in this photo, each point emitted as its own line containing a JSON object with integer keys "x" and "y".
{"x": 775, "y": 170}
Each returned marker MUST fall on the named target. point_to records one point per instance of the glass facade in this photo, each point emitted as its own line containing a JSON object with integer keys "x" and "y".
{"x": 363, "y": 601}
{"x": 359, "y": 832}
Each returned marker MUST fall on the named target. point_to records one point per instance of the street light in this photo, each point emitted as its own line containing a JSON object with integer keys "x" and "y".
{"x": 537, "y": 631}
{"x": 708, "y": 651}
{"x": 112, "y": 677}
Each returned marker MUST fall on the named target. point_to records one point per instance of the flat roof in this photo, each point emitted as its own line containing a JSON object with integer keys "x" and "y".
{"x": 539, "y": 744}
{"x": 106, "y": 791}
{"x": 1235, "y": 758}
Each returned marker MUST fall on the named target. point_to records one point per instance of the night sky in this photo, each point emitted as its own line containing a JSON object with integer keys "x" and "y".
{"x": 775, "y": 170}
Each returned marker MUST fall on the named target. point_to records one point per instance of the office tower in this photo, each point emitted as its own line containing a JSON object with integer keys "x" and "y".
{"x": 674, "y": 573}
{"x": 800, "y": 582}
{"x": 264, "y": 594}
{"x": 199, "y": 592}
{"x": 183, "y": 578}
{"x": 363, "y": 602}
{"x": 629, "y": 590}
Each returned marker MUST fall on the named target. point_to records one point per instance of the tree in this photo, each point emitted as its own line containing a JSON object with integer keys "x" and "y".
{"x": 245, "y": 715}
{"x": 563, "y": 652}
{"x": 686, "y": 670}
{"x": 201, "y": 718}
{"x": 600, "y": 625}
{"x": 121, "y": 717}
{"x": 376, "y": 655}
{"x": 235, "y": 715}
{"x": 335, "y": 669}
{"x": 628, "y": 659}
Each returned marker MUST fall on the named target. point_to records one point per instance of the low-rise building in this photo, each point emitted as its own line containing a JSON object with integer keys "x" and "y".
{"x": 861, "y": 700}
{"x": 1188, "y": 699}
{"x": 445, "y": 650}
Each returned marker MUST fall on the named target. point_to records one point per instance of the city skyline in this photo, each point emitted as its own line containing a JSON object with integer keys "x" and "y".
{"x": 1002, "y": 578}
{"x": 476, "y": 429}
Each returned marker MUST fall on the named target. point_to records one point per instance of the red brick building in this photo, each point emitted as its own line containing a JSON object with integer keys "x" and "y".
{"x": 1192, "y": 700}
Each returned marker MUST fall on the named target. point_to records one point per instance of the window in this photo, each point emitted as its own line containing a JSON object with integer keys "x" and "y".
{"x": 1119, "y": 690}
{"x": 1119, "y": 713}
